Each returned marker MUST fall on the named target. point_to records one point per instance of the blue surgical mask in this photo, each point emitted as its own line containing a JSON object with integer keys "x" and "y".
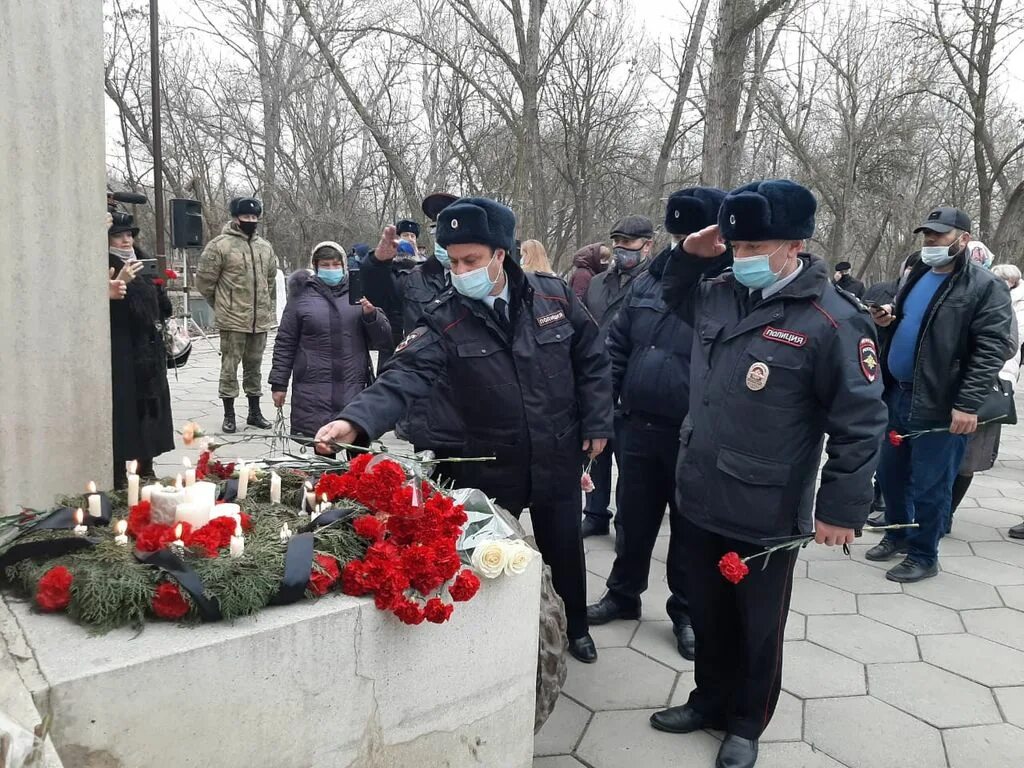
{"x": 475, "y": 284}
{"x": 755, "y": 272}
{"x": 938, "y": 255}
{"x": 442, "y": 255}
{"x": 331, "y": 276}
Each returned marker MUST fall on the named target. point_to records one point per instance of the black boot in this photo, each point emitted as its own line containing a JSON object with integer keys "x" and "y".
{"x": 229, "y": 415}
{"x": 255, "y": 417}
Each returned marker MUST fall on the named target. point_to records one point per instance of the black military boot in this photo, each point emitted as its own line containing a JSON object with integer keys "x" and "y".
{"x": 255, "y": 416}
{"x": 229, "y": 415}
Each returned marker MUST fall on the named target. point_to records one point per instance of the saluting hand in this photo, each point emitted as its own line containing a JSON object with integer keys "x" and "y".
{"x": 832, "y": 535}
{"x": 387, "y": 248}
{"x": 706, "y": 244}
{"x": 339, "y": 431}
{"x": 593, "y": 448}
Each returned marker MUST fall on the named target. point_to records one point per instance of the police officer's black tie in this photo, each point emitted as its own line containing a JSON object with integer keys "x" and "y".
{"x": 501, "y": 313}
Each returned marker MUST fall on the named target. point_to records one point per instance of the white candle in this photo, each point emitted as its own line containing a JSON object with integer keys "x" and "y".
{"x": 243, "y": 480}
{"x": 227, "y": 510}
{"x": 194, "y": 514}
{"x": 177, "y": 482}
{"x": 133, "y": 483}
{"x": 308, "y": 499}
{"x": 285, "y": 534}
{"x": 202, "y": 494}
{"x": 80, "y": 529}
{"x": 147, "y": 491}
{"x": 178, "y": 545}
{"x": 164, "y": 502}
{"x": 275, "y": 488}
{"x": 237, "y": 547}
{"x": 95, "y": 502}
{"x": 121, "y": 539}
{"x": 190, "y": 472}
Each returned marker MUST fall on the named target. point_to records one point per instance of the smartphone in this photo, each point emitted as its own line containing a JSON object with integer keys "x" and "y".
{"x": 355, "y": 286}
{"x": 149, "y": 268}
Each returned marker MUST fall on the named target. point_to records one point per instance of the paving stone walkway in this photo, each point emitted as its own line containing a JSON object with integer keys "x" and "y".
{"x": 877, "y": 674}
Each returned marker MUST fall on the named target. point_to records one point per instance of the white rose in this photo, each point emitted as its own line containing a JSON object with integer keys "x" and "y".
{"x": 489, "y": 559}
{"x": 520, "y": 555}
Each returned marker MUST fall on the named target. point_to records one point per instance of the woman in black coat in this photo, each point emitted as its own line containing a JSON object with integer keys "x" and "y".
{"x": 323, "y": 344}
{"x": 143, "y": 426}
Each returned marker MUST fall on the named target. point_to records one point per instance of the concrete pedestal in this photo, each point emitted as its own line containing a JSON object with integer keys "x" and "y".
{"x": 331, "y": 683}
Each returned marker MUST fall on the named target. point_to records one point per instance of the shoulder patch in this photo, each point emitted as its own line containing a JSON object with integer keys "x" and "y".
{"x": 850, "y": 298}
{"x": 868, "y": 354}
{"x": 415, "y": 335}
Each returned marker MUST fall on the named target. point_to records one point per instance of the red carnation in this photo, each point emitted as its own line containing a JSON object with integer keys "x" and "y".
{"x": 369, "y": 527}
{"x": 895, "y": 437}
{"x": 322, "y": 578}
{"x": 158, "y": 281}
{"x": 732, "y": 567}
{"x": 168, "y": 602}
{"x": 353, "y": 579}
{"x": 409, "y": 612}
{"x": 170, "y": 274}
{"x": 139, "y": 517}
{"x": 155, "y": 537}
{"x": 436, "y": 611}
{"x": 53, "y": 592}
{"x": 245, "y": 521}
{"x": 464, "y": 587}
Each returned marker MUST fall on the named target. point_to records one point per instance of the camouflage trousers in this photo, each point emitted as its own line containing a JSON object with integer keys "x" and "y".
{"x": 245, "y": 348}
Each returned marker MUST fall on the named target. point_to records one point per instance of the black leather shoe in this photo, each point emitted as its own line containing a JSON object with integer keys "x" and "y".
{"x": 609, "y": 609}
{"x": 583, "y": 649}
{"x": 737, "y": 752}
{"x": 594, "y": 526}
{"x": 886, "y": 549}
{"x": 229, "y": 423}
{"x": 1017, "y": 532}
{"x": 878, "y": 518}
{"x": 686, "y": 642}
{"x": 910, "y": 571}
{"x": 684, "y": 719}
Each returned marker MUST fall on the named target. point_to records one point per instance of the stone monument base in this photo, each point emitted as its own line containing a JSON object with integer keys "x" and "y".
{"x": 330, "y": 683}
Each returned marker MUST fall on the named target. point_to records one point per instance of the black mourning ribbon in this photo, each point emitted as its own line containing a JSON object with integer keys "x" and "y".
{"x": 298, "y": 564}
{"x": 189, "y": 580}
{"x": 332, "y": 515}
{"x": 61, "y": 518}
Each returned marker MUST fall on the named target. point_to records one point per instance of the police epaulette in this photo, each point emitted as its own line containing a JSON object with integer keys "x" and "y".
{"x": 850, "y": 298}
{"x": 442, "y": 298}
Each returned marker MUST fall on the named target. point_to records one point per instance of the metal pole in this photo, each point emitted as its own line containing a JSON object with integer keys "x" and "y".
{"x": 158, "y": 161}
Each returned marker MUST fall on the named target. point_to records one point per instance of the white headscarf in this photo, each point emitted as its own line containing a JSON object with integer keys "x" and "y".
{"x": 979, "y": 253}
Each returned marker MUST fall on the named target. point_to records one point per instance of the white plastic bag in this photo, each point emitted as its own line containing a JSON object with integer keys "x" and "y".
{"x": 16, "y": 744}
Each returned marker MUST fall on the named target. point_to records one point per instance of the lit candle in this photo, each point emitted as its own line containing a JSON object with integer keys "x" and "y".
{"x": 133, "y": 483}
{"x": 80, "y": 529}
{"x": 147, "y": 491}
{"x": 285, "y": 534}
{"x": 190, "y": 472}
{"x": 194, "y": 514}
{"x": 121, "y": 539}
{"x": 95, "y": 502}
{"x": 275, "y": 488}
{"x": 243, "y": 480}
{"x": 308, "y": 498}
{"x": 237, "y": 542}
{"x": 178, "y": 545}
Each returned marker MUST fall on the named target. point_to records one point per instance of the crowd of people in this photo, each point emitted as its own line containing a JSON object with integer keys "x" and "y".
{"x": 713, "y": 373}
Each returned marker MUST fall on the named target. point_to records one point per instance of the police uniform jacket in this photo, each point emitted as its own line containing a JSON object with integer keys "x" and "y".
{"x": 528, "y": 396}
{"x": 768, "y": 380}
{"x": 433, "y": 423}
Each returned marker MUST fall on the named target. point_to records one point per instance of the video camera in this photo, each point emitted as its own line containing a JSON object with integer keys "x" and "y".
{"x": 131, "y": 198}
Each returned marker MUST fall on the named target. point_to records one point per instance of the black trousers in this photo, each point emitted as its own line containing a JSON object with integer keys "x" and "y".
{"x": 647, "y": 485}
{"x": 739, "y": 630}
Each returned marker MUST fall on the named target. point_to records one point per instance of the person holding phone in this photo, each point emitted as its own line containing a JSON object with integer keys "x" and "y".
{"x": 142, "y": 423}
{"x": 323, "y": 343}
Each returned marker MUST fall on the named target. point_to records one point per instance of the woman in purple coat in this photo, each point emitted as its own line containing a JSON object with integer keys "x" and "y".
{"x": 323, "y": 344}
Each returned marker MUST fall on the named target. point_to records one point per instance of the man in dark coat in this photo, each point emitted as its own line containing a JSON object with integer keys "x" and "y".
{"x": 384, "y": 271}
{"x": 531, "y": 386}
{"x": 588, "y": 261}
{"x": 632, "y": 240}
{"x": 845, "y": 279}
{"x": 323, "y": 343}
{"x": 649, "y": 346}
{"x": 143, "y": 427}
{"x": 780, "y": 358}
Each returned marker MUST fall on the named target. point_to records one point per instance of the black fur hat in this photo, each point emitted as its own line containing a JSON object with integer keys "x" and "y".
{"x": 477, "y": 220}
{"x": 690, "y": 210}
{"x": 777, "y": 209}
{"x": 407, "y": 225}
{"x": 435, "y": 203}
{"x": 241, "y": 206}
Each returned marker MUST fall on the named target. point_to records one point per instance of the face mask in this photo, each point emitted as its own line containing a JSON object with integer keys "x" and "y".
{"x": 248, "y": 227}
{"x": 627, "y": 258}
{"x": 331, "y": 276}
{"x": 938, "y": 255}
{"x": 123, "y": 253}
{"x": 442, "y": 255}
{"x": 755, "y": 272}
{"x": 475, "y": 284}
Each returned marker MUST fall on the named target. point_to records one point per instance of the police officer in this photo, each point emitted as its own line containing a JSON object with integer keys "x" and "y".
{"x": 433, "y": 423}
{"x": 649, "y": 346}
{"x": 528, "y": 381}
{"x": 780, "y": 358}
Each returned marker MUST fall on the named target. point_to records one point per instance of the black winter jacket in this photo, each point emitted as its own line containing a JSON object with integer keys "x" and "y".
{"x": 528, "y": 398}
{"x": 964, "y": 342}
{"x": 606, "y": 292}
{"x": 384, "y": 285}
{"x": 768, "y": 380}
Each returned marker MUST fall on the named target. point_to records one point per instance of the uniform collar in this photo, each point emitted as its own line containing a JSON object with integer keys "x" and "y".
{"x": 778, "y": 285}
{"x": 489, "y": 300}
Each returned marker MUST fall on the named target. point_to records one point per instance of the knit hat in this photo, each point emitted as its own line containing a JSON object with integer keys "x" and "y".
{"x": 326, "y": 244}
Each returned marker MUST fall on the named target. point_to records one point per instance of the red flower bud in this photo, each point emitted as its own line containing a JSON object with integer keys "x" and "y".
{"x": 732, "y": 567}
{"x": 54, "y": 590}
{"x": 895, "y": 437}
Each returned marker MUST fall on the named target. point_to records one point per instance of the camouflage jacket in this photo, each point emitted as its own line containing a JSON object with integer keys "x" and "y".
{"x": 236, "y": 277}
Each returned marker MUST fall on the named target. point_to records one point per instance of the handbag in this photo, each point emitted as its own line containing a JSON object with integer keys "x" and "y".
{"x": 998, "y": 406}
{"x": 177, "y": 343}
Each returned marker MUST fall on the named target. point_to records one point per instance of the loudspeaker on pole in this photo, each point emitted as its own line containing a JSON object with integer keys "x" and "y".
{"x": 186, "y": 223}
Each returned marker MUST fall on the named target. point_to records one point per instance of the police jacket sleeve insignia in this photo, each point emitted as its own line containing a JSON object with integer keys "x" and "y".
{"x": 868, "y": 359}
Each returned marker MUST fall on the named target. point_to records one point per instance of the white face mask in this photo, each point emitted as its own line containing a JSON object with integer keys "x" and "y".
{"x": 938, "y": 255}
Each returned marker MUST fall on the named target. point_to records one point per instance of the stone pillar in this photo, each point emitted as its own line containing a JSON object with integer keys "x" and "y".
{"x": 55, "y": 432}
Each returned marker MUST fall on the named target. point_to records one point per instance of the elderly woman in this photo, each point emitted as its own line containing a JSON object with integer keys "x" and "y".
{"x": 142, "y": 423}
{"x": 324, "y": 341}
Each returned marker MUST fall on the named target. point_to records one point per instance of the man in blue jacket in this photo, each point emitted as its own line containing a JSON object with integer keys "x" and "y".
{"x": 649, "y": 346}
{"x": 781, "y": 358}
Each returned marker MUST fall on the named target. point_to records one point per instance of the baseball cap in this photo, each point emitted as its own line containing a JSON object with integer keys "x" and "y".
{"x": 944, "y": 220}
